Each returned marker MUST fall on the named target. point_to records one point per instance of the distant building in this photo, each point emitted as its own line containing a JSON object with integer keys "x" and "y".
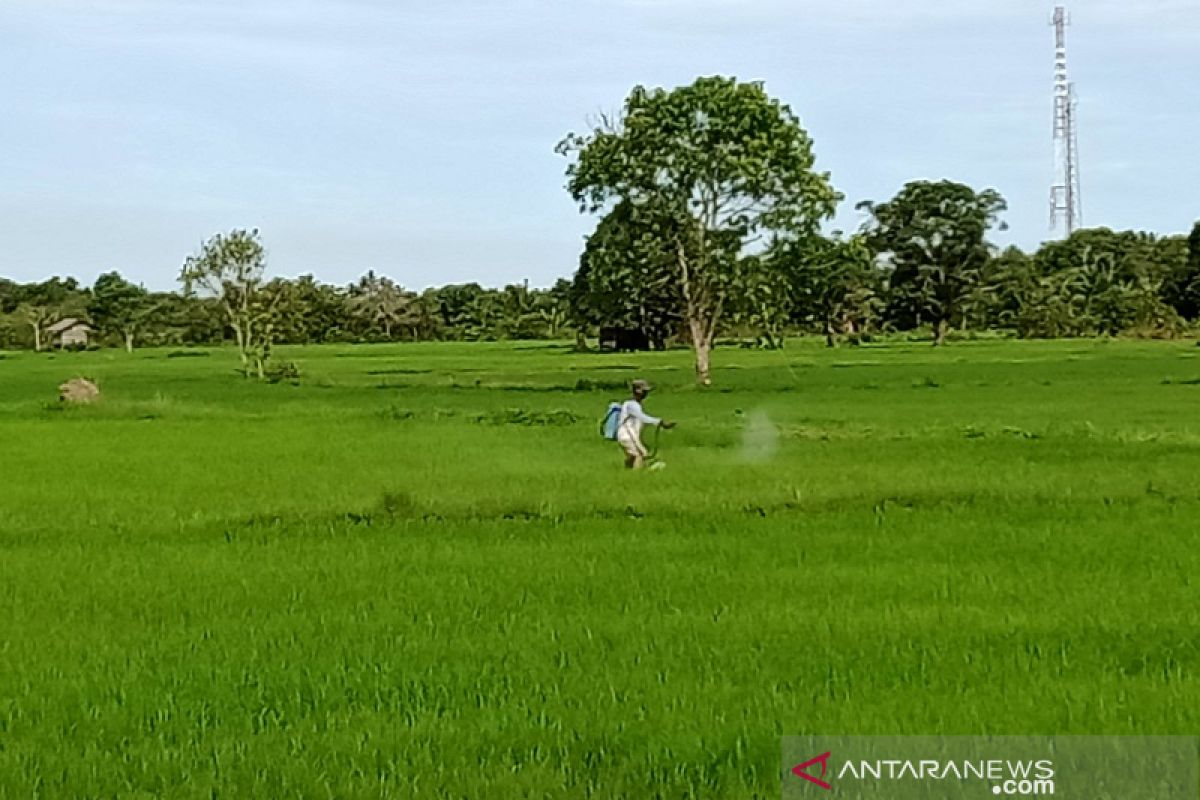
{"x": 70, "y": 332}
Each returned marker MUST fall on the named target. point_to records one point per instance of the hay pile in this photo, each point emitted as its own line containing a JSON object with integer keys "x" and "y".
{"x": 78, "y": 390}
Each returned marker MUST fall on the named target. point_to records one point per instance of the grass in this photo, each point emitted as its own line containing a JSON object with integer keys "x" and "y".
{"x": 420, "y": 573}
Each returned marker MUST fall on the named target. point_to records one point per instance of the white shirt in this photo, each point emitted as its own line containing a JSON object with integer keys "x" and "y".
{"x": 629, "y": 424}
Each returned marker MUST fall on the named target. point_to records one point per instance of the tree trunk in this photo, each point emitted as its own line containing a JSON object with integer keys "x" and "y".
{"x": 830, "y": 334}
{"x": 37, "y": 336}
{"x": 240, "y": 336}
{"x": 702, "y": 311}
{"x": 128, "y": 341}
{"x": 939, "y": 336}
{"x": 703, "y": 368}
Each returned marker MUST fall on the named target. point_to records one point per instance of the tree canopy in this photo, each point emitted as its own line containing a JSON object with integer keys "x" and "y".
{"x": 933, "y": 238}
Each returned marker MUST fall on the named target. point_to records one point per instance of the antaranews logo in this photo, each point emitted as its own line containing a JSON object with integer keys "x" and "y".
{"x": 1020, "y": 778}
{"x": 987, "y": 767}
{"x": 801, "y": 770}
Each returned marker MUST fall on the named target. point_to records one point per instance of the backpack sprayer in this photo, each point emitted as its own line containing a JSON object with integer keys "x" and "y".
{"x": 612, "y": 418}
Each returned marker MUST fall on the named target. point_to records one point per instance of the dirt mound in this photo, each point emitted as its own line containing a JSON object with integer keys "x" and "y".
{"x": 78, "y": 390}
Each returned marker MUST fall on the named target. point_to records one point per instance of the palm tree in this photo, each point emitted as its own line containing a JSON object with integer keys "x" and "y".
{"x": 379, "y": 301}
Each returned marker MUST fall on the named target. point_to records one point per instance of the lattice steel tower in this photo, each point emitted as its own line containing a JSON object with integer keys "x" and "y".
{"x": 1066, "y": 203}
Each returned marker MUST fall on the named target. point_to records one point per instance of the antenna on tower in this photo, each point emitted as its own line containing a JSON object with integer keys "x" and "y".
{"x": 1066, "y": 201}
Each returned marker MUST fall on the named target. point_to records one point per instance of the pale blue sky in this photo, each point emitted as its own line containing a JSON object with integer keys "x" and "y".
{"x": 416, "y": 138}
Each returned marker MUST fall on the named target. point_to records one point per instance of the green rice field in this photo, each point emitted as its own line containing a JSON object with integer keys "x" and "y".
{"x": 419, "y": 572}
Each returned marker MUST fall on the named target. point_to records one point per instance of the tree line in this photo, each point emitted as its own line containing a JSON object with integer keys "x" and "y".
{"x": 290, "y": 311}
{"x": 1098, "y": 282}
{"x": 710, "y": 222}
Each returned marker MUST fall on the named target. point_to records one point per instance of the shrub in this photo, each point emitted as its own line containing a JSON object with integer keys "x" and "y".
{"x": 280, "y": 371}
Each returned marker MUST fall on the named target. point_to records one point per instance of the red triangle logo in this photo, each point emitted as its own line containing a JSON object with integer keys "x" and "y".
{"x": 801, "y": 770}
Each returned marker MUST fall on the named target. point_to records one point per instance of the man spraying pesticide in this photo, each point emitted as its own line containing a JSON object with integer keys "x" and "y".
{"x": 624, "y": 421}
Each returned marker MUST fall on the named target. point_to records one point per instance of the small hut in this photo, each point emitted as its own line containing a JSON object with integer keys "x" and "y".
{"x": 70, "y": 332}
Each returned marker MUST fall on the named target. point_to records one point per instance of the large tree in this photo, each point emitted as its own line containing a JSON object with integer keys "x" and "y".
{"x": 231, "y": 268}
{"x": 120, "y": 308}
{"x": 933, "y": 235}
{"x": 727, "y": 163}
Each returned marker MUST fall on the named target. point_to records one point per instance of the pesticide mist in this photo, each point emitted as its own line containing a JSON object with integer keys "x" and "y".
{"x": 760, "y": 438}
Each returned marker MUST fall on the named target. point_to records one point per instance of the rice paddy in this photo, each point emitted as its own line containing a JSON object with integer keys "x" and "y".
{"x": 418, "y": 571}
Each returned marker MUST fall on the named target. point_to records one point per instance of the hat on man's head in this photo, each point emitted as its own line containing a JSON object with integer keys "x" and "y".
{"x": 642, "y": 386}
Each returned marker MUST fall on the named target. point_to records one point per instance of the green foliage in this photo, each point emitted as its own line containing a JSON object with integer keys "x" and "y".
{"x": 521, "y": 314}
{"x": 627, "y": 275}
{"x": 1103, "y": 282}
{"x": 764, "y": 302}
{"x": 1184, "y": 293}
{"x": 469, "y": 310}
{"x": 377, "y": 305}
{"x": 997, "y": 299}
{"x": 306, "y": 311}
{"x": 120, "y": 309}
{"x": 836, "y": 288}
{"x": 1099, "y": 282}
{"x": 282, "y": 371}
{"x": 933, "y": 238}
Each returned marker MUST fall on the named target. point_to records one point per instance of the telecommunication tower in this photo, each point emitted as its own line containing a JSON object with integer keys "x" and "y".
{"x": 1066, "y": 203}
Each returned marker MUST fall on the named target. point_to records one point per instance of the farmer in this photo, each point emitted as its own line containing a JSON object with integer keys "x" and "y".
{"x": 629, "y": 426}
